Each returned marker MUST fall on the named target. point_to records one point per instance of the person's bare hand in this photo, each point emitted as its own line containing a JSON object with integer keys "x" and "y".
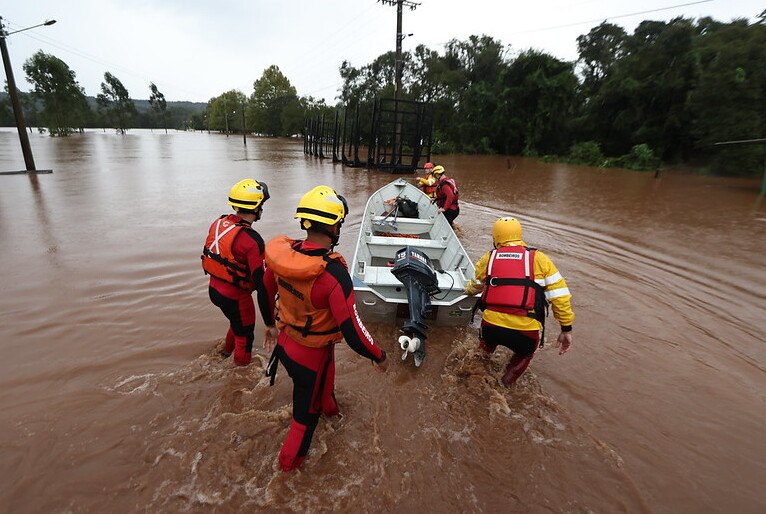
{"x": 564, "y": 342}
{"x": 271, "y": 339}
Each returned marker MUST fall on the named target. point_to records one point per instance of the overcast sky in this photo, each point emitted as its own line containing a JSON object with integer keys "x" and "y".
{"x": 197, "y": 49}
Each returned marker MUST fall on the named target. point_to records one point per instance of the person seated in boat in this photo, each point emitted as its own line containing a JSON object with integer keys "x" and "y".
{"x": 446, "y": 195}
{"x": 428, "y": 183}
{"x": 316, "y": 310}
{"x": 233, "y": 257}
{"x": 517, "y": 282}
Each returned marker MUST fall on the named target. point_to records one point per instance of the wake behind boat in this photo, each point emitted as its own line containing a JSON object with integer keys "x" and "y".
{"x": 410, "y": 264}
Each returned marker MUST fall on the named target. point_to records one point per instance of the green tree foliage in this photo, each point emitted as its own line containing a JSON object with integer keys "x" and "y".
{"x": 159, "y": 105}
{"x": 587, "y": 153}
{"x": 729, "y": 102}
{"x": 599, "y": 51}
{"x": 115, "y": 102}
{"x": 62, "y": 98}
{"x": 272, "y": 94}
{"x": 224, "y": 112}
{"x": 537, "y": 101}
{"x": 667, "y": 91}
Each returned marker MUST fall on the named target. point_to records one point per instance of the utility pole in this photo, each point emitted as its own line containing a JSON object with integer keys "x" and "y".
{"x": 244, "y": 138}
{"x": 21, "y": 125}
{"x": 398, "y": 69}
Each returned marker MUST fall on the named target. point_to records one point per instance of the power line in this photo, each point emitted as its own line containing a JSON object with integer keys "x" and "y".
{"x": 543, "y": 29}
{"x": 610, "y": 18}
{"x": 83, "y": 55}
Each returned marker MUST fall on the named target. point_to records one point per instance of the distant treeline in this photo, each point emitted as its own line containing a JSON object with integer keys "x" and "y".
{"x": 666, "y": 92}
{"x": 179, "y": 114}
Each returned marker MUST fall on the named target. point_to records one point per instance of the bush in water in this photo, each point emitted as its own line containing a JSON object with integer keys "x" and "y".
{"x": 640, "y": 158}
{"x": 587, "y": 153}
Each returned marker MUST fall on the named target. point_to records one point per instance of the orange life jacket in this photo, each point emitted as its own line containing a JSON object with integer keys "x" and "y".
{"x": 218, "y": 257}
{"x": 296, "y": 273}
{"x": 510, "y": 284}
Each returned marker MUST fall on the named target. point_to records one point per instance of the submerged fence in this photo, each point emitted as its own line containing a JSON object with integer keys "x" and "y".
{"x": 390, "y": 135}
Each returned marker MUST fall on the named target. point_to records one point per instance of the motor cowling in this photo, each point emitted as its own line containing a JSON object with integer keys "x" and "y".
{"x": 413, "y": 268}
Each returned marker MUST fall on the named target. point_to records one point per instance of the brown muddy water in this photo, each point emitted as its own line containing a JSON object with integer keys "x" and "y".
{"x": 114, "y": 399}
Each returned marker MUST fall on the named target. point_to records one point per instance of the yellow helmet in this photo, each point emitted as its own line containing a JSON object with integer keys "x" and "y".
{"x": 322, "y": 204}
{"x": 248, "y": 194}
{"x": 438, "y": 170}
{"x": 506, "y": 230}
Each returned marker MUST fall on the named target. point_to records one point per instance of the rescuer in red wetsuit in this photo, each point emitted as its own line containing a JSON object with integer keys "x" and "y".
{"x": 446, "y": 195}
{"x": 233, "y": 257}
{"x": 316, "y": 310}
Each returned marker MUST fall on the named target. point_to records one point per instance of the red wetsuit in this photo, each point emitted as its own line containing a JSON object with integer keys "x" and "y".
{"x": 237, "y": 302}
{"x": 447, "y": 198}
{"x": 313, "y": 369}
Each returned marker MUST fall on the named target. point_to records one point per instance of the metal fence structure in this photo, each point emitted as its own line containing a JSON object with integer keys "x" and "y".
{"x": 395, "y": 136}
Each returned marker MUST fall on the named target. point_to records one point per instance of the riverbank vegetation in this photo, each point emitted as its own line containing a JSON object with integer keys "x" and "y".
{"x": 665, "y": 93}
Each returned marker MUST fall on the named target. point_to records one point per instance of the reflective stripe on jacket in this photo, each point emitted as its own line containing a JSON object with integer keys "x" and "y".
{"x": 545, "y": 273}
{"x": 218, "y": 257}
{"x": 428, "y": 185}
{"x": 295, "y": 274}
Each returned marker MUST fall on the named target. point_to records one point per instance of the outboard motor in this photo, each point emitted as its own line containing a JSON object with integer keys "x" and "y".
{"x": 413, "y": 268}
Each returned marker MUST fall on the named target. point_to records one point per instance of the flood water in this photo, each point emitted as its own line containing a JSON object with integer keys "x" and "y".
{"x": 114, "y": 399}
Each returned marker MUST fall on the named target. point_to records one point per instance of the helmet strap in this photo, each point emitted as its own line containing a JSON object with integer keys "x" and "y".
{"x": 323, "y": 229}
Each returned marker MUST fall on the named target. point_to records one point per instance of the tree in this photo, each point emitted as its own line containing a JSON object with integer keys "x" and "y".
{"x": 222, "y": 111}
{"x": 729, "y": 102}
{"x": 599, "y": 51}
{"x": 116, "y": 102}
{"x": 64, "y": 103}
{"x": 159, "y": 105}
{"x": 271, "y": 94}
{"x": 537, "y": 100}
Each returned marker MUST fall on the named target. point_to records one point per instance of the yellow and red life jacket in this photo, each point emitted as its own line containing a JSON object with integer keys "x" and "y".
{"x": 296, "y": 272}
{"x": 218, "y": 257}
{"x": 510, "y": 283}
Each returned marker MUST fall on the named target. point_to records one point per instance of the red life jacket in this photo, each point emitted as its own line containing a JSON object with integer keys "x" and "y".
{"x": 510, "y": 285}
{"x": 218, "y": 257}
{"x": 441, "y": 196}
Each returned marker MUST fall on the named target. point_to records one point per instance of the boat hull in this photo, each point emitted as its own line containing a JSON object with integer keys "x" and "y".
{"x": 380, "y": 297}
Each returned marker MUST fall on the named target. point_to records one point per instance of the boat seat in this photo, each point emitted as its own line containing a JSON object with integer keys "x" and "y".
{"x": 401, "y": 242}
{"x": 409, "y": 221}
{"x": 387, "y": 246}
{"x": 382, "y": 276}
{"x": 410, "y": 226}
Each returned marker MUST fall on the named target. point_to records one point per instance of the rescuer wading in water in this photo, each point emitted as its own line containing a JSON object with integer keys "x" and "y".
{"x": 233, "y": 257}
{"x": 316, "y": 310}
{"x": 517, "y": 283}
{"x": 446, "y": 195}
